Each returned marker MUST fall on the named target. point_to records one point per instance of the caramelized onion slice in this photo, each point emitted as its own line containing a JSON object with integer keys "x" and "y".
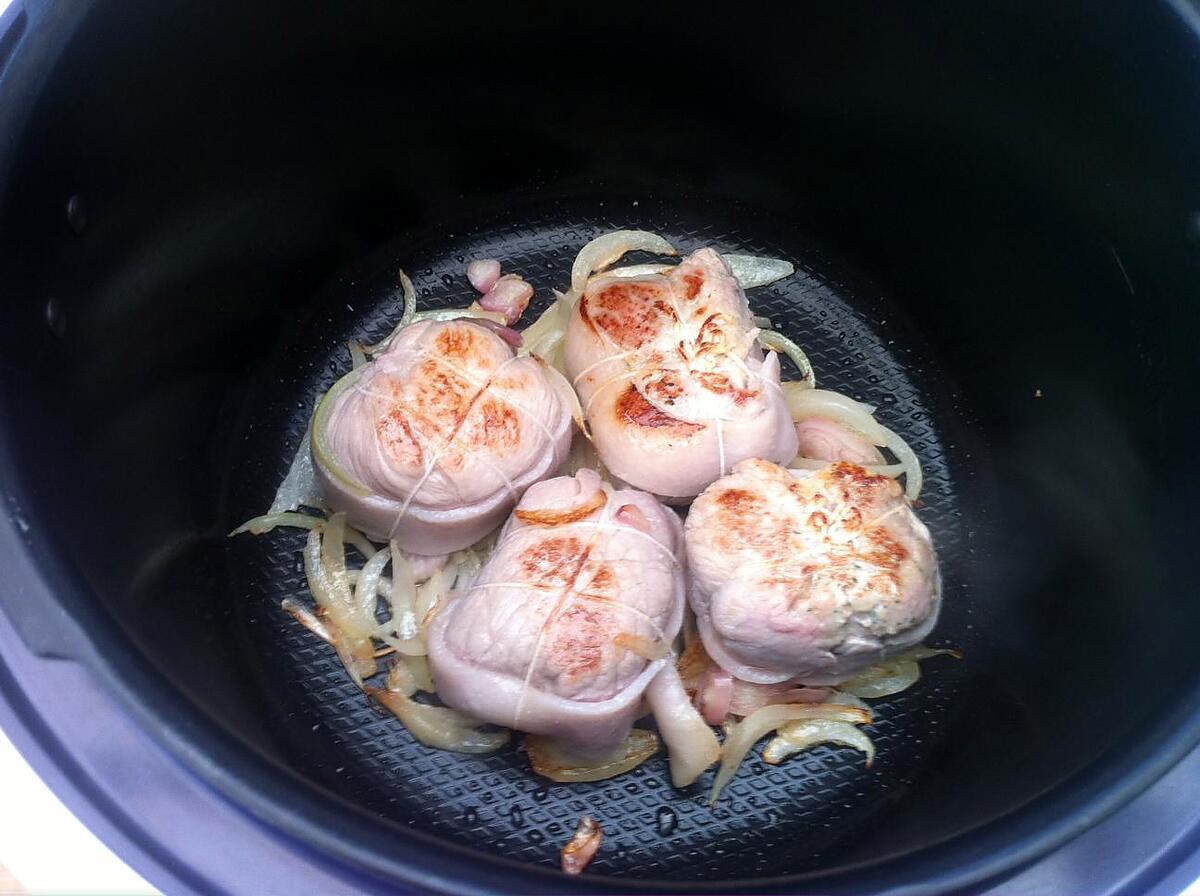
{"x": 583, "y": 846}
{"x": 780, "y": 343}
{"x": 551, "y": 761}
{"x": 605, "y": 250}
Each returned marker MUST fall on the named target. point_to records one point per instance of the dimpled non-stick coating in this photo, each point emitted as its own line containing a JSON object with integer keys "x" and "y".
{"x": 771, "y": 819}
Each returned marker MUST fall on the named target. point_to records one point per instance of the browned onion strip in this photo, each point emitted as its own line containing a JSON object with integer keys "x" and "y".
{"x": 562, "y": 517}
{"x": 551, "y": 761}
{"x": 583, "y": 846}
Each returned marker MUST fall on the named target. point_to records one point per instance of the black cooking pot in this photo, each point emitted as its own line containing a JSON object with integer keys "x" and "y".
{"x": 995, "y": 214}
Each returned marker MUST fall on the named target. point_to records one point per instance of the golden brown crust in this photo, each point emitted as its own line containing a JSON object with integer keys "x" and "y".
{"x": 556, "y": 517}
{"x": 632, "y": 409}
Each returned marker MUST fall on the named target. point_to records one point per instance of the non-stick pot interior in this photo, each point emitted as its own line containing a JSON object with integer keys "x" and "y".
{"x": 993, "y": 222}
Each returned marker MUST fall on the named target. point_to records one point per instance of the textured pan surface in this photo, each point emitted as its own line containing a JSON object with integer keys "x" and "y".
{"x": 772, "y": 819}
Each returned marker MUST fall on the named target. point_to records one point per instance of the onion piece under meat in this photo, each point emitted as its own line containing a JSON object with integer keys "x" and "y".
{"x": 265, "y": 523}
{"x": 320, "y": 426}
{"x": 605, "y": 250}
{"x": 422, "y": 675}
{"x": 751, "y": 271}
{"x": 892, "y": 676}
{"x": 691, "y": 744}
{"x": 745, "y": 734}
{"x": 544, "y": 337}
{"x": 841, "y": 698}
{"x": 639, "y": 270}
{"x": 796, "y": 736}
{"x": 550, "y": 760}
{"x": 435, "y": 726}
{"x": 780, "y": 343}
{"x": 583, "y": 846}
{"x": 471, "y": 312}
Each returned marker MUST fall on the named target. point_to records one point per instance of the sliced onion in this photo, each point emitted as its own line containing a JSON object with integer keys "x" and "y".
{"x": 471, "y": 312}
{"x": 583, "y": 846}
{"x": 439, "y": 727}
{"x": 410, "y": 309}
{"x": 357, "y": 356}
{"x": 796, "y": 736}
{"x": 640, "y": 270}
{"x": 841, "y": 409}
{"x": 913, "y": 479}
{"x": 751, "y": 271}
{"x": 355, "y": 620}
{"x": 892, "y": 676}
{"x": 841, "y": 698}
{"x": 691, "y": 744}
{"x": 550, "y": 760}
{"x": 746, "y": 733}
{"x": 403, "y": 629}
{"x": 307, "y": 618}
{"x": 366, "y": 586}
{"x": 421, "y": 674}
{"x": 545, "y": 335}
{"x": 260, "y": 525}
{"x": 429, "y": 594}
{"x": 605, "y": 250}
{"x": 320, "y": 425}
{"x": 780, "y": 343}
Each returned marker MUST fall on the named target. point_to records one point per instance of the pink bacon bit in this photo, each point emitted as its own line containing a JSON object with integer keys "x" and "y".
{"x": 714, "y": 696}
{"x": 508, "y": 334}
{"x": 631, "y": 515}
{"x": 823, "y": 439}
{"x": 483, "y": 274}
{"x": 509, "y": 296}
{"x": 583, "y": 846}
